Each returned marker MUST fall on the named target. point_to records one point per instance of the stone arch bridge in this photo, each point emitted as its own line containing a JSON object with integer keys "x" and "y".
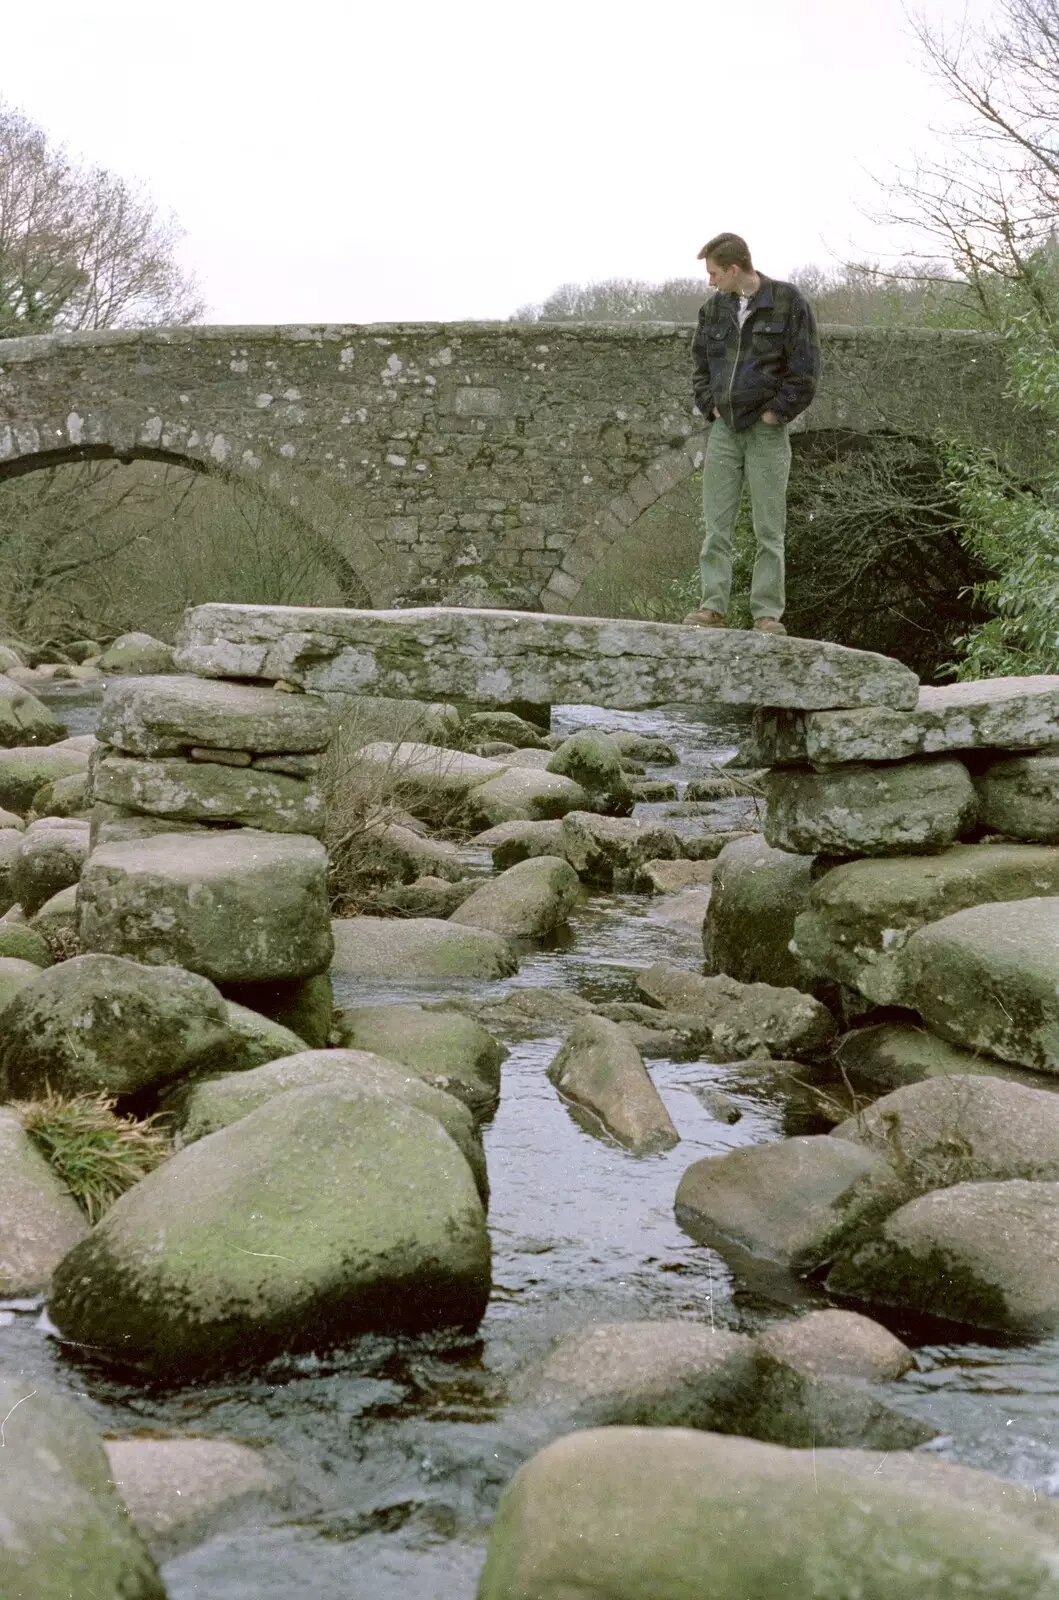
{"x": 483, "y": 463}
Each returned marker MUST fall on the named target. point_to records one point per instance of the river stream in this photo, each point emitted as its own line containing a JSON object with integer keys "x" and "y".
{"x": 396, "y": 1450}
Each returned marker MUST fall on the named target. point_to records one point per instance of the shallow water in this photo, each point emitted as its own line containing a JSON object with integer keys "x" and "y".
{"x": 398, "y": 1449}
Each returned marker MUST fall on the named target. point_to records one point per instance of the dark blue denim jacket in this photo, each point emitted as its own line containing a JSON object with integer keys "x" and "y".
{"x": 771, "y": 363}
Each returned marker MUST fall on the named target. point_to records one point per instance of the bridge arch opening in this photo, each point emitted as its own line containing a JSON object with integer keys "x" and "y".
{"x": 96, "y": 540}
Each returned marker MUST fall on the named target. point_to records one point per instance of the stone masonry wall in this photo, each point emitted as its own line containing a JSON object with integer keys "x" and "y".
{"x": 472, "y": 463}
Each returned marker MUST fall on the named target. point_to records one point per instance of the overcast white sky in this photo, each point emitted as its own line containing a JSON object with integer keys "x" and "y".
{"x": 372, "y": 160}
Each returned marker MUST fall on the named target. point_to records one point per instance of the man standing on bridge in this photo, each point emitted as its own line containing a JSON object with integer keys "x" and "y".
{"x": 757, "y": 358}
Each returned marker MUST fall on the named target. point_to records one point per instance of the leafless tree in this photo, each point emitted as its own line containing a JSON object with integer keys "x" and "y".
{"x": 80, "y": 247}
{"x": 620, "y": 300}
{"x": 988, "y": 203}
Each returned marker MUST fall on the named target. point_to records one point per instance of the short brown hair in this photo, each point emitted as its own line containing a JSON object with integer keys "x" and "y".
{"x": 727, "y": 250}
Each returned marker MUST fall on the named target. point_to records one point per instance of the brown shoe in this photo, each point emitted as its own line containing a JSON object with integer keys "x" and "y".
{"x": 704, "y": 619}
{"x": 769, "y": 625}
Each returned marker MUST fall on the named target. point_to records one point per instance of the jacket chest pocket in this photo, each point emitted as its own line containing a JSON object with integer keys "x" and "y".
{"x": 768, "y": 336}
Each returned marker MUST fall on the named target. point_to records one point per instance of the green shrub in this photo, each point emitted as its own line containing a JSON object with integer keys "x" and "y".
{"x": 93, "y": 1151}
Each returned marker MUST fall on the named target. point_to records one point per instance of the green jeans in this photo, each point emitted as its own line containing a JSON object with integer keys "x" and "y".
{"x": 760, "y": 456}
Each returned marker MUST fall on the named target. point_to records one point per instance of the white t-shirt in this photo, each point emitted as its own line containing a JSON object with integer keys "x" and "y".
{"x": 744, "y": 307}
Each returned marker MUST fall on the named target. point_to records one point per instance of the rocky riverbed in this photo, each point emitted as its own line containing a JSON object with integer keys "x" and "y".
{"x": 380, "y": 1464}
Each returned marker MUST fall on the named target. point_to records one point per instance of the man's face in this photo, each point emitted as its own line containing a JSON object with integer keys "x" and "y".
{"x": 723, "y": 279}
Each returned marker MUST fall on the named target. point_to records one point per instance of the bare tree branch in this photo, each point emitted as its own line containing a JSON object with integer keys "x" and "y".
{"x": 80, "y": 247}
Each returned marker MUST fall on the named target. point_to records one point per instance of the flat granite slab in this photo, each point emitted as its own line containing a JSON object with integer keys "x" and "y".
{"x": 989, "y": 713}
{"x": 495, "y": 657}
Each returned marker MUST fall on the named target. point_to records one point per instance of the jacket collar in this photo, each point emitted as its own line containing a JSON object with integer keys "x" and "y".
{"x": 763, "y": 298}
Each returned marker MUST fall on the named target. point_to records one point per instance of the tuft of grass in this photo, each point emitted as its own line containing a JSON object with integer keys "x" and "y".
{"x": 360, "y": 800}
{"x": 93, "y": 1151}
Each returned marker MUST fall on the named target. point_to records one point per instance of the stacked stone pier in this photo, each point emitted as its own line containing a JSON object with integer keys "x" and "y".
{"x": 910, "y": 860}
{"x": 206, "y": 808}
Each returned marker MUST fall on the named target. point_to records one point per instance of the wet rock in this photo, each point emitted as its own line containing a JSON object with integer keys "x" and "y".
{"x": 744, "y": 1019}
{"x": 304, "y": 1005}
{"x": 686, "y": 910}
{"x": 915, "y": 808}
{"x": 658, "y": 1035}
{"x": 757, "y": 894}
{"x": 788, "y": 1203}
{"x": 601, "y": 1072}
{"x": 652, "y": 791}
{"x": 1020, "y": 797}
{"x": 669, "y": 877}
{"x": 644, "y": 747}
{"x": 215, "y": 1103}
{"x": 984, "y": 1255}
{"x": 528, "y": 901}
{"x": 809, "y": 1410}
{"x": 511, "y": 842}
{"x": 180, "y": 1492}
{"x": 524, "y": 794}
{"x": 168, "y": 715}
{"x": 136, "y": 653}
{"x": 237, "y": 906}
{"x": 889, "y": 1055}
{"x": 65, "y": 1530}
{"x": 988, "y": 979}
{"x": 528, "y": 1013}
{"x": 25, "y": 720}
{"x": 503, "y": 725}
{"x": 39, "y": 1219}
{"x": 598, "y": 847}
{"x": 386, "y": 947}
{"x": 842, "y": 1344}
{"x": 24, "y": 770}
{"x": 649, "y": 1513}
{"x": 495, "y": 657}
{"x": 718, "y": 785}
{"x": 445, "y": 1049}
{"x": 318, "y": 1216}
{"x": 962, "y": 1129}
{"x": 99, "y": 1022}
{"x": 653, "y": 1374}
{"x": 207, "y": 791}
{"x": 860, "y": 915}
{"x": 426, "y": 897}
{"x": 593, "y": 760}
{"x": 50, "y": 857}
